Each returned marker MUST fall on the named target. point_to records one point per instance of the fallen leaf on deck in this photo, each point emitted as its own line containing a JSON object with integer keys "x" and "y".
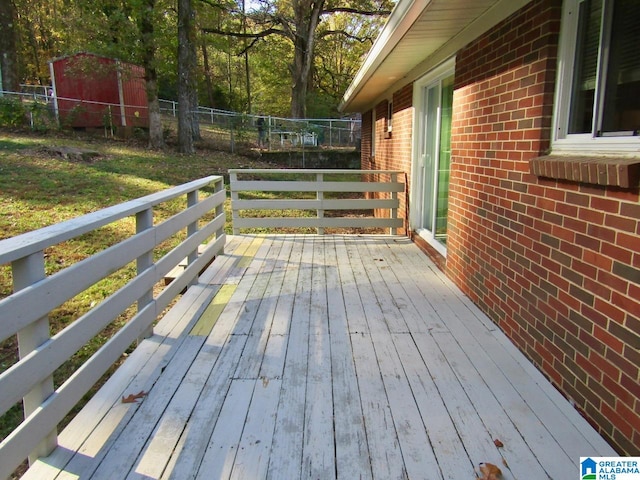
{"x": 490, "y": 471}
{"x": 132, "y": 397}
{"x": 498, "y": 443}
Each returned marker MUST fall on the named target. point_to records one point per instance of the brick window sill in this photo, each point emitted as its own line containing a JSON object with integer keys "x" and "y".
{"x": 620, "y": 172}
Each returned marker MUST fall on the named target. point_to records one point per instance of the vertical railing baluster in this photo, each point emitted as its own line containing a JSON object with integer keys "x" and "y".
{"x": 320, "y": 197}
{"x": 235, "y": 213}
{"x": 192, "y": 229}
{"x": 144, "y": 221}
{"x": 394, "y": 197}
{"x": 27, "y": 271}
{"x": 219, "y": 186}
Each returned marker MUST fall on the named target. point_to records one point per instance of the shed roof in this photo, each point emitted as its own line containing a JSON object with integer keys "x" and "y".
{"x": 88, "y": 54}
{"x": 418, "y": 35}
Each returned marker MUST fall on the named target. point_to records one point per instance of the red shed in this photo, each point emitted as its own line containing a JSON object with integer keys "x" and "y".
{"x": 95, "y": 91}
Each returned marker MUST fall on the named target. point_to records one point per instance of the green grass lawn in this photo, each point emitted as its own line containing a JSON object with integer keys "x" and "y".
{"x": 39, "y": 188}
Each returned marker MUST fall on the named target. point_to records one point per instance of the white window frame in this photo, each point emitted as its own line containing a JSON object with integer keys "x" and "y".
{"x": 438, "y": 73}
{"x": 581, "y": 144}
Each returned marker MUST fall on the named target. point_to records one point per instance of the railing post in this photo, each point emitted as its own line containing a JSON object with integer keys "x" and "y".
{"x": 394, "y": 196}
{"x": 144, "y": 221}
{"x": 320, "y": 197}
{"x": 235, "y": 215}
{"x": 192, "y": 229}
{"x": 27, "y": 271}
{"x": 220, "y": 208}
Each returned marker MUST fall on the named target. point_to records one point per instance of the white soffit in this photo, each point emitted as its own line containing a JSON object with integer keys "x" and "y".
{"x": 415, "y": 31}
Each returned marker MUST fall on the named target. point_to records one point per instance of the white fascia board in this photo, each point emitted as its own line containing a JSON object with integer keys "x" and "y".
{"x": 495, "y": 14}
{"x": 403, "y": 16}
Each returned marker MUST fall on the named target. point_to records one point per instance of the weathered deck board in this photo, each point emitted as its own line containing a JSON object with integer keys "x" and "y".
{"x": 352, "y": 460}
{"x": 324, "y": 357}
{"x": 515, "y": 372}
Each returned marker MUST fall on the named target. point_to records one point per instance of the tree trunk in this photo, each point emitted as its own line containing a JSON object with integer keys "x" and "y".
{"x": 307, "y": 16}
{"x": 185, "y": 76}
{"x": 156, "y": 139}
{"x": 192, "y": 47}
{"x": 151, "y": 74}
{"x": 8, "y": 55}
{"x": 229, "y": 69}
{"x": 207, "y": 74}
{"x": 195, "y": 118}
{"x": 299, "y": 80}
{"x": 246, "y": 59}
{"x": 247, "y": 74}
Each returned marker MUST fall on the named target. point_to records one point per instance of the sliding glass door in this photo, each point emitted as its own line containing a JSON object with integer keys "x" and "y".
{"x": 433, "y": 158}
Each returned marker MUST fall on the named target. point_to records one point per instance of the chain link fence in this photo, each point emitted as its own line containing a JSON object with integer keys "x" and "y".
{"x": 271, "y": 132}
{"x": 37, "y": 107}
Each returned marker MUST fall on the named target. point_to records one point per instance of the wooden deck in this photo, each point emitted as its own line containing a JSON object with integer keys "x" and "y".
{"x": 320, "y": 357}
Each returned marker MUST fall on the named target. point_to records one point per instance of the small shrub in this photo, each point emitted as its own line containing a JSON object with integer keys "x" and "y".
{"x": 42, "y": 116}
{"x": 12, "y": 112}
{"x": 73, "y": 115}
{"x": 243, "y": 129}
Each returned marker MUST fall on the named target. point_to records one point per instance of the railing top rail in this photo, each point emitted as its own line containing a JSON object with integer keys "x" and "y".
{"x": 28, "y": 243}
{"x": 308, "y": 170}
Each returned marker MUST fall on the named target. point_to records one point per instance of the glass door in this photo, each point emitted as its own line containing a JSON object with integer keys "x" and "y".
{"x": 434, "y": 150}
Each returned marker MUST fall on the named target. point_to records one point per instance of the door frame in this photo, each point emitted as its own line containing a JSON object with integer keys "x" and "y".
{"x": 437, "y": 74}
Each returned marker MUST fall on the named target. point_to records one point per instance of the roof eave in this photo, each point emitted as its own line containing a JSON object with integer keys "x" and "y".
{"x": 398, "y": 24}
{"x": 370, "y": 85}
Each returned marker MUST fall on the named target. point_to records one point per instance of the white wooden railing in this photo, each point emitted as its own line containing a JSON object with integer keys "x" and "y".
{"x": 25, "y": 312}
{"x": 383, "y": 183}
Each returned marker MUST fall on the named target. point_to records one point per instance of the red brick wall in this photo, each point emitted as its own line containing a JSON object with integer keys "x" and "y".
{"x": 555, "y": 264}
{"x": 393, "y": 151}
{"x": 365, "y": 143}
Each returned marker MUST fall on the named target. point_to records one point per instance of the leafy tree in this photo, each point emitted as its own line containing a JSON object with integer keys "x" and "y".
{"x": 8, "y": 52}
{"x": 279, "y": 57}
{"x": 300, "y": 22}
{"x": 36, "y": 24}
{"x": 343, "y": 42}
{"x": 127, "y": 30}
{"x": 270, "y": 62}
{"x": 224, "y": 64}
